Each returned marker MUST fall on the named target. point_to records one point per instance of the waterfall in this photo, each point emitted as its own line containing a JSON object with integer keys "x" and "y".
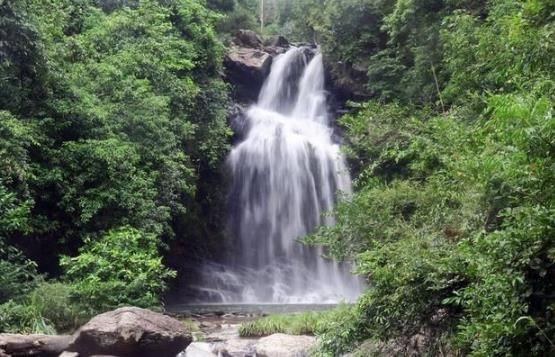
{"x": 287, "y": 173}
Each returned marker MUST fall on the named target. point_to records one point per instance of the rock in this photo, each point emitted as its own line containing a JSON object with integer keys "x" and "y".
{"x": 246, "y": 68}
{"x": 276, "y": 41}
{"x": 236, "y": 347}
{"x": 247, "y": 38}
{"x": 69, "y": 354}
{"x": 33, "y": 345}
{"x": 199, "y": 349}
{"x": 281, "y": 345}
{"x": 275, "y": 50}
{"x": 131, "y": 331}
{"x": 280, "y": 41}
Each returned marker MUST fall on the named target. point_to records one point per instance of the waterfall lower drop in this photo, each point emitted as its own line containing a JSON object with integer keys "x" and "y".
{"x": 286, "y": 175}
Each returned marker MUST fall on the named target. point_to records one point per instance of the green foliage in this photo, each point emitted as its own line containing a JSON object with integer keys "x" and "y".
{"x": 18, "y": 275}
{"x": 294, "y": 324}
{"x": 112, "y": 113}
{"x": 122, "y": 267}
{"x": 52, "y": 301}
{"x": 236, "y": 15}
{"x": 452, "y": 218}
{"x": 46, "y": 309}
{"x": 16, "y": 318}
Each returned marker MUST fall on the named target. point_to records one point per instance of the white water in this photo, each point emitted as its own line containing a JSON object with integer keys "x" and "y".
{"x": 286, "y": 174}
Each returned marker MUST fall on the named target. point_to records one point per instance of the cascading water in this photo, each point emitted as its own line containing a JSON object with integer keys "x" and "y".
{"x": 286, "y": 175}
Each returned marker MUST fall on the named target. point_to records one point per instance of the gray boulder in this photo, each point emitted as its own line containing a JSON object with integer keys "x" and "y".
{"x": 131, "y": 331}
{"x": 281, "y": 345}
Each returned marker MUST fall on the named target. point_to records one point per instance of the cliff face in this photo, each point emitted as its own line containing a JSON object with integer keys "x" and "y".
{"x": 248, "y": 62}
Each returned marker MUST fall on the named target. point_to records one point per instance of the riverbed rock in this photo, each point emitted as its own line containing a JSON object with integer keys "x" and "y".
{"x": 236, "y": 347}
{"x": 198, "y": 349}
{"x": 281, "y": 345}
{"x": 69, "y": 354}
{"x": 32, "y": 345}
{"x": 131, "y": 331}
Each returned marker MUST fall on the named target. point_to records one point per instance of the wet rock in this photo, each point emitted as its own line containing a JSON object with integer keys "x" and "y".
{"x": 69, "y": 354}
{"x": 237, "y": 347}
{"x": 281, "y": 345}
{"x": 32, "y": 345}
{"x": 246, "y": 69}
{"x": 198, "y": 349}
{"x": 279, "y": 41}
{"x": 247, "y": 38}
{"x": 131, "y": 331}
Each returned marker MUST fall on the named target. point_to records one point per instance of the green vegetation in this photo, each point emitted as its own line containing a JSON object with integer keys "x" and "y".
{"x": 112, "y": 120}
{"x": 452, "y": 216}
{"x": 293, "y": 324}
{"x": 113, "y": 131}
{"x": 123, "y": 267}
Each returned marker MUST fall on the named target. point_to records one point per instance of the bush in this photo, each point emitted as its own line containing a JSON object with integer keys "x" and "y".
{"x": 52, "y": 301}
{"x": 17, "y": 318}
{"x": 123, "y": 267}
{"x": 46, "y": 309}
{"x": 18, "y": 275}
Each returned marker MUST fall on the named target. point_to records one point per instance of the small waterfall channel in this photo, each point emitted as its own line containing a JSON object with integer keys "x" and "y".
{"x": 287, "y": 172}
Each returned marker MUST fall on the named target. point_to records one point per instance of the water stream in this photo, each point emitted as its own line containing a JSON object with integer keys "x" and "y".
{"x": 287, "y": 173}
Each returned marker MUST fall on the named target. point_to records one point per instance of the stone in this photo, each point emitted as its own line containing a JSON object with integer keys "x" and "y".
{"x": 33, "y": 345}
{"x": 282, "y": 345}
{"x": 236, "y": 347}
{"x": 199, "y": 349}
{"x": 246, "y": 69}
{"x": 69, "y": 354}
{"x": 279, "y": 41}
{"x": 131, "y": 331}
{"x": 247, "y": 38}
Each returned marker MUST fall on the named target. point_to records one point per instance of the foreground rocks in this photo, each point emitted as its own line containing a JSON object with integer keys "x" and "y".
{"x": 125, "y": 332}
{"x": 276, "y": 345}
{"x": 131, "y": 331}
{"x": 281, "y": 345}
{"x": 225, "y": 342}
{"x": 33, "y": 345}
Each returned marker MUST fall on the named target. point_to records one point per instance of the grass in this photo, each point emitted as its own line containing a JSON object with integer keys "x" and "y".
{"x": 304, "y": 323}
{"x": 190, "y": 325}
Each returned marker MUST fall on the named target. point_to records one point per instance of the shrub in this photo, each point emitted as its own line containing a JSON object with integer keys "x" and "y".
{"x": 17, "y": 318}
{"x": 51, "y": 300}
{"x": 123, "y": 267}
{"x": 18, "y": 275}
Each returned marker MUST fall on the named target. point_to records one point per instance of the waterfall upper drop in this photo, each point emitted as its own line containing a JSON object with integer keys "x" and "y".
{"x": 287, "y": 173}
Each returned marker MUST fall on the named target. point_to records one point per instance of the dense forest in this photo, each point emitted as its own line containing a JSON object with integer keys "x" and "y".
{"x": 114, "y": 132}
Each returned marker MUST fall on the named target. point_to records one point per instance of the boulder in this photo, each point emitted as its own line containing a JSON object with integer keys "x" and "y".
{"x": 69, "y": 354}
{"x": 246, "y": 69}
{"x": 247, "y": 38}
{"x": 131, "y": 331}
{"x": 276, "y": 41}
{"x": 198, "y": 349}
{"x": 32, "y": 345}
{"x": 281, "y": 345}
{"x": 236, "y": 347}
